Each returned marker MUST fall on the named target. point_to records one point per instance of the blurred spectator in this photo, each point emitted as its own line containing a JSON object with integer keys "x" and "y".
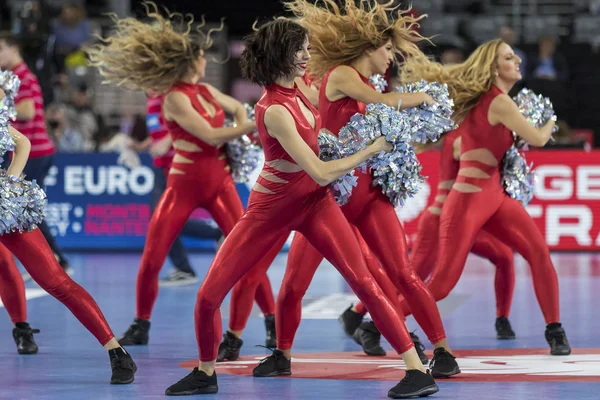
{"x": 507, "y": 34}
{"x": 452, "y": 55}
{"x": 548, "y": 64}
{"x": 31, "y": 26}
{"x": 111, "y": 140}
{"x": 81, "y": 117}
{"x": 72, "y": 30}
{"x": 65, "y": 137}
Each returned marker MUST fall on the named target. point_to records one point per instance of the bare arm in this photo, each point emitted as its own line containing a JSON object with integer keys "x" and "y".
{"x": 161, "y": 147}
{"x": 503, "y": 110}
{"x": 281, "y": 125}
{"x": 229, "y": 104}
{"x": 311, "y": 94}
{"x": 21, "y": 153}
{"x": 456, "y": 148}
{"x": 178, "y": 107}
{"x": 346, "y": 82}
{"x": 25, "y": 110}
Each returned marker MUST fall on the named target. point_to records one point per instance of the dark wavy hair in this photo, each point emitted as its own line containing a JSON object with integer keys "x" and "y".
{"x": 270, "y": 51}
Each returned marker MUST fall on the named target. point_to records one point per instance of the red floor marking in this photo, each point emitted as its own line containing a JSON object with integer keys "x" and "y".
{"x": 525, "y": 365}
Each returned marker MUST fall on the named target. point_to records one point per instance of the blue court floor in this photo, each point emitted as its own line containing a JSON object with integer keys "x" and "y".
{"x": 72, "y": 365}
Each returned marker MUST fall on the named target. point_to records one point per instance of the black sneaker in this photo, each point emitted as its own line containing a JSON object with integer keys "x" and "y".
{"x": 271, "y": 340}
{"x": 503, "y": 329}
{"x": 420, "y": 348}
{"x": 414, "y": 384}
{"x": 367, "y": 335}
{"x": 137, "y": 334}
{"x": 23, "y": 335}
{"x": 229, "y": 349}
{"x": 197, "y": 382}
{"x": 122, "y": 365}
{"x": 350, "y": 321}
{"x": 557, "y": 339}
{"x": 443, "y": 364}
{"x": 274, "y": 365}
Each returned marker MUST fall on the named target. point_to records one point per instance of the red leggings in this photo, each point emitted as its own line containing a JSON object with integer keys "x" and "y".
{"x": 385, "y": 249}
{"x": 321, "y": 221}
{"x": 34, "y": 253}
{"x": 183, "y": 195}
{"x": 425, "y": 251}
{"x": 12, "y": 288}
{"x": 507, "y": 220}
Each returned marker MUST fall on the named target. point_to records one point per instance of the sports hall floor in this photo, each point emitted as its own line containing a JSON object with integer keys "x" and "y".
{"x": 328, "y": 365}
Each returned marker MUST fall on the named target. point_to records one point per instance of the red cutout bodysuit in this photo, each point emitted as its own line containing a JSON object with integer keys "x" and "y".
{"x": 425, "y": 248}
{"x": 465, "y": 215}
{"x": 294, "y": 202}
{"x": 204, "y": 182}
{"x": 384, "y": 245}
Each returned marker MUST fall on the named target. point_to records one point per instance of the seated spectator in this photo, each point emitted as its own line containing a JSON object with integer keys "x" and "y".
{"x": 81, "y": 117}
{"x": 66, "y": 139}
{"x": 452, "y": 55}
{"x": 564, "y": 138}
{"x": 548, "y": 64}
{"x": 72, "y": 30}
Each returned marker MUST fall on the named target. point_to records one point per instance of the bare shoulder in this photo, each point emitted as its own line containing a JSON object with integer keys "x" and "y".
{"x": 343, "y": 73}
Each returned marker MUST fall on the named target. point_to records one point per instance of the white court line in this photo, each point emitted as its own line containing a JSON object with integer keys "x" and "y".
{"x": 31, "y": 294}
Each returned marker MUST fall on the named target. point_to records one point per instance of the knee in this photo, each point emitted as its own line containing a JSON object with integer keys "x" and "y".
{"x": 207, "y": 302}
{"x": 60, "y": 290}
{"x": 504, "y": 258}
{"x": 439, "y": 289}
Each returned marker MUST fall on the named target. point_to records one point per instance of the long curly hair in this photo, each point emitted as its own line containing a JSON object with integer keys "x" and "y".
{"x": 467, "y": 81}
{"x": 340, "y": 35}
{"x": 150, "y": 56}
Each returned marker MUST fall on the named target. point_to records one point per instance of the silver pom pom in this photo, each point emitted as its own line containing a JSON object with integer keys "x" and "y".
{"x": 517, "y": 177}
{"x": 6, "y": 141}
{"x": 398, "y": 172}
{"x": 429, "y": 122}
{"x": 379, "y": 82}
{"x": 330, "y": 150}
{"x": 10, "y": 83}
{"x": 536, "y": 108}
{"x": 22, "y": 204}
{"x": 243, "y": 155}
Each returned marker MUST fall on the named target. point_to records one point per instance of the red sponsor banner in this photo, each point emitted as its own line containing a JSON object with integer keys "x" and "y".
{"x": 565, "y": 207}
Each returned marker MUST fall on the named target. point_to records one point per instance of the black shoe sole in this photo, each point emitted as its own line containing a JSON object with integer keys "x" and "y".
{"x": 426, "y": 391}
{"x": 502, "y": 337}
{"x": 286, "y": 372}
{"x": 436, "y": 374}
{"x": 381, "y": 353}
{"x": 562, "y": 353}
{"x": 27, "y": 353}
{"x": 127, "y": 343}
{"x": 212, "y": 389}
{"x": 232, "y": 358}
{"x": 119, "y": 382}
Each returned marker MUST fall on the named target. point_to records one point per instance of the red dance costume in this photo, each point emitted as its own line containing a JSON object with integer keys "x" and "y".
{"x": 425, "y": 248}
{"x": 202, "y": 182}
{"x": 36, "y": 256}
{"x": 384, "y": 245}
{"x": 489, "y": 208}
{"x": 12, "y": 287}
{"x": 286, "y": 198}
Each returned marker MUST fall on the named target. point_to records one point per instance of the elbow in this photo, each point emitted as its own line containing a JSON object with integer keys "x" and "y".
{"x": 323, "y": 179}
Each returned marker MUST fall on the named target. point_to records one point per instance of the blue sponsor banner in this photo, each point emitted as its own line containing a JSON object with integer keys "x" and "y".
{"x": 96, "y": 204}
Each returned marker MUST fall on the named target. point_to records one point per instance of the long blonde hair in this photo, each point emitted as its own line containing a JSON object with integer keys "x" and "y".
{"x": 466, "y": 81}
{"x": 150, "y": 57}
{"x": 339, "y": 38}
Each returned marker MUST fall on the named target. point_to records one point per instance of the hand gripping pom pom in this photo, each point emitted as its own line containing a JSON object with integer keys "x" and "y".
{"x": 517, "y": 177}
{"x": 398, "y": 172}
{"x": 429, "y": 121}
{"x": 537, "y": 109}
{"x": 379, "y": 82}
{"x": 330, "y": 150}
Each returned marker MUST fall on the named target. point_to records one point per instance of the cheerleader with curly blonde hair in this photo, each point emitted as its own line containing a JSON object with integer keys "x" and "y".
{"x": 160, "y": 58}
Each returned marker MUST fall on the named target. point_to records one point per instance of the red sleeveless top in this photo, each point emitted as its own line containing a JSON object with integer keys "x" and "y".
{"x": 477, "y": 133}
{"x": 336, "y": 115}
{"x": 293, "y": 194}
{"x": 177, "y": 132}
